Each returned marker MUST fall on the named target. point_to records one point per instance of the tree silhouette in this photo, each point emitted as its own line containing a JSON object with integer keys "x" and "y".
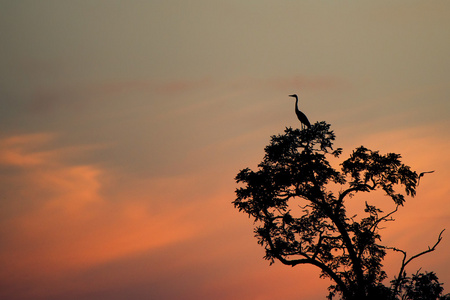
{"x": 422, "y": 286}
{"x": 301, "y": 219}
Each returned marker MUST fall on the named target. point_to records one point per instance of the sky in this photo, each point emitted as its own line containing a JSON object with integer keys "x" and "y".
{"x": 124, "y": 123}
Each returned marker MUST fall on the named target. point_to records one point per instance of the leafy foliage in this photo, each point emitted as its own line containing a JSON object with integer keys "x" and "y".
{"x": 300, "y": 220}
{"x": 422, "y": 286}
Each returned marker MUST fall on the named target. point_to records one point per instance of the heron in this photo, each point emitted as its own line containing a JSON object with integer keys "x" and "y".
{"x": 301, "y": 116}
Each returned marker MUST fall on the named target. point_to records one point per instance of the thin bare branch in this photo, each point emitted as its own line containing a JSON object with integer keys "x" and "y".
{"x": 407, "y": 261}
{"x": 384, "y": 218}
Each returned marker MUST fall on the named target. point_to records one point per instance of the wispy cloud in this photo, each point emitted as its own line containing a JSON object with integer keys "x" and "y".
{"x": 78, "y": 96}
{"x": 68, "y": 224}
{"x": 294, "y": 83}
{"x": 47, "y": 98}
{"x": 83, "y": 229}
{"x": 14, "y": 151}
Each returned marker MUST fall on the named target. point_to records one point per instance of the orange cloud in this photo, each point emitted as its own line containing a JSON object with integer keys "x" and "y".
{"x": 58, "y": 219}
{"x": 14, "y": 150}
{"x": 70, "y": 229}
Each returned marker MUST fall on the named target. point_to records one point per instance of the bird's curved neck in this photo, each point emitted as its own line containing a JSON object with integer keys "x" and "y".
{"x": 296, "y": 103}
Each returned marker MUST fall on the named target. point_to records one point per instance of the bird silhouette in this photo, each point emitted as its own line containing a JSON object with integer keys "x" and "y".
{"x": 301, "y": 116}
{"x": 421, "y": 175}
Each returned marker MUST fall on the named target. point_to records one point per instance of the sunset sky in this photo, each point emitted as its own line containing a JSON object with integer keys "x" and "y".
{"x": 124, "y": 123}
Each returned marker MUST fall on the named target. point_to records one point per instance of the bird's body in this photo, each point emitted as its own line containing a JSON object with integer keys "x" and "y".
{"x": 301, "y": 116}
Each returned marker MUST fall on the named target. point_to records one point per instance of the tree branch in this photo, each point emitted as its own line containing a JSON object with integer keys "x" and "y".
{"x": 384, "y": 218}
{"x": 358, "y": 188}
{"x": 319, "y": 264}
{"x": 405, "y": 261}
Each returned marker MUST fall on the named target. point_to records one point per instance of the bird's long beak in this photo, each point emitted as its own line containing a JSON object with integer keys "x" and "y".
{"x": 291, "y": 95}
